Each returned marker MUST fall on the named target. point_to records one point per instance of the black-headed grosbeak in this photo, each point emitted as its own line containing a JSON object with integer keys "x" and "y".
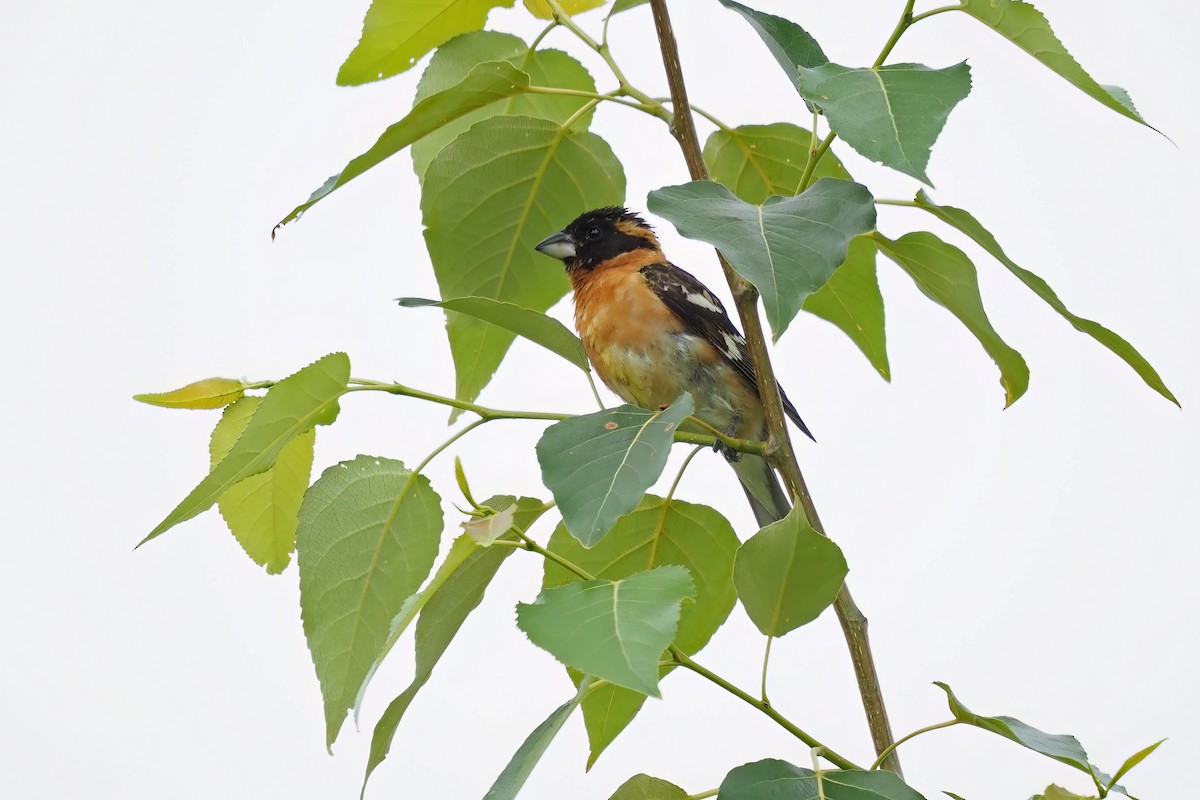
{"x": 653, "y": 331}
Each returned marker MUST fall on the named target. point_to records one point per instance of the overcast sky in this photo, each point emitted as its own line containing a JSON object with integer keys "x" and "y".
{"x": 1041, "y": 560}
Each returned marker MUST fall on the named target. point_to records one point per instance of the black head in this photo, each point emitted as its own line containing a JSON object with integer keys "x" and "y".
{"x": 596, "y": 236}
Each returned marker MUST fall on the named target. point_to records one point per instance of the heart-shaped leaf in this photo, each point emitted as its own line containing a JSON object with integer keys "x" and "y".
{"x": 772, "y": 779}
{"x": 599, "y": 465}
{"x": 369, "y": 533}
{"x": 787, "y": 574}
{"x": 616, "y": 630}
{"x": 788, "y": 247}
{"x": 644, "y": 787}
{"x": 891, "y": 114}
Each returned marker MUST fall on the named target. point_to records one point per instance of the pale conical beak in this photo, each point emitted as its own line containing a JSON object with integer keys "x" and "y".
{"x": 559, "y": 245}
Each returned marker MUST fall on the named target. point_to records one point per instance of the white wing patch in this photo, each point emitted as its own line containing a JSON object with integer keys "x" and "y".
{"x": 704, "y": 300}
{"x": 732, "y": 348}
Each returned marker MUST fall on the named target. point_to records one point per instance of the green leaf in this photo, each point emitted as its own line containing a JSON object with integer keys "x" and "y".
{"x": 369, "y": 533}
{"x": 454, "y": 60}
{"x": 453, "y": 592}
{"x": 533, "y": 325}
{"x": 1027, "y": 28}
{"x": 489, "y": 197}
{"x": 541, "y": 9}
{"x": 658, "y": 532}
{"x": 787, "y": 574}
{"x": 1056, "y": 792}
{"x": 1132, "y": 762}
{"x": 527, "y": 756}
{"x": 787, "y": 247}
{"x": 294, "y": 405}
{"x": 968, "y": 224}
{"x": 599, "y": 465}
{"x": 644, "y": 787}
{"x": 398, "y": 32}
{"x": 207, "y": 393}
{"x": 1060, "y": 747}
{"x": 625, "y": 5}
{"x": 891, "y": 114}
{"x": 262, "y": 511}
{"x": 484, "y": 85}
{"x": 758, "y": 161}
{"x": 791, "y": 45}
{"x": 851, "y": 300}
{"x": 772, "y": 779}
{"x": 947, "y": 276}
{"x": 615, "y": 630}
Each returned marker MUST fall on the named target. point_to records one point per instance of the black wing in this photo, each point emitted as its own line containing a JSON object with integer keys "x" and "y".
{"x": 706, "y": 317}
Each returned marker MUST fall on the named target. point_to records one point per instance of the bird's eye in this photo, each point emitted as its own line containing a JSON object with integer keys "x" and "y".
{"x": 593, "y": 233}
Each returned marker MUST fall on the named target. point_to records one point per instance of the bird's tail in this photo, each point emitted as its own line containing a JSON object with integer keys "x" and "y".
{"x": 767, "y": 498}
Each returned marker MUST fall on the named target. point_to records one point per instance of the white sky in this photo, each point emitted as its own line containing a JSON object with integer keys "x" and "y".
{"x": 1040, "y": 560}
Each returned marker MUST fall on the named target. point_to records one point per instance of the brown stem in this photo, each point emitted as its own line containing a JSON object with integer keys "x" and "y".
{"x": 854, "y": 624}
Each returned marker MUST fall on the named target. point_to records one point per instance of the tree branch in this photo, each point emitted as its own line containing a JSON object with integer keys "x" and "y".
{"x": 854, "y": 624}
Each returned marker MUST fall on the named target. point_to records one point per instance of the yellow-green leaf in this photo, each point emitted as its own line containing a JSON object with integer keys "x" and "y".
{"x": 262, "y": 511}
{"x": 541, "y": 9}
{"x": 396, "y": 33}
{"x": 207, "y": 393}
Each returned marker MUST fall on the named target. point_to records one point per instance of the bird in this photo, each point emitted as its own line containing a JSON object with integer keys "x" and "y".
{"x": 653, "y": 331}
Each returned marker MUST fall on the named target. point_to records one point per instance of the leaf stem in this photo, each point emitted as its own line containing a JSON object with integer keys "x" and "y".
{"x": 682, "y": 660}
{"x": 815, "y": 154}
{"x": 538, "y": 40}
{"x": 534, "y": 547}
{"x": 766, "y": 661}
{"x": 702, "y": 795}
{"x": 882, "y": 756}
{"x": 933, "y": 13}
{"x": 906, "y": 19}
{"x": 783, "y": 457}
{"x": 887, "y": 202}
{"x": 683, "y": 468}
{"x": 611, "y": 97}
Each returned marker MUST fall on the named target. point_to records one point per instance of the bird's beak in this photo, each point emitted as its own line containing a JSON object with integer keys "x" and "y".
{"x": 559, "y": 245}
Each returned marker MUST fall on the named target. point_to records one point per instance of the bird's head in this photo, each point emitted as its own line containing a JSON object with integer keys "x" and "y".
{"x": 597, "y": 236}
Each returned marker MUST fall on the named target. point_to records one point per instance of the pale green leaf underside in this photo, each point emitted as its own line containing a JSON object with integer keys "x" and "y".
{"x": 656, "y": 533}
{"x": 891, "y": 114}
{"x": 599, "y": 465}
{"x": 946, "y": 276}
{"x": 396, "y": 33}
{"x": 788, "y": 248}
{"x": 541, "y": 9}
{"x": 294, "y": 405}
{"x": 262, "y": 511}
{"x": 203, "y": 394}
{"x": 533, "y": 325}
{"x": 851, "y": 300}
{"x": 615, "y": 630}
{"x": 968, "y": 224}
{"x": 368, "y": 536}
{"x": 454, "y": 60}
{"x": 787, "y": 574}
{"x": 489, "y": 197}
{"x": 483, "y": 86}
{"x": 772, "y": 779}
{"x": 1027, "y": 28}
